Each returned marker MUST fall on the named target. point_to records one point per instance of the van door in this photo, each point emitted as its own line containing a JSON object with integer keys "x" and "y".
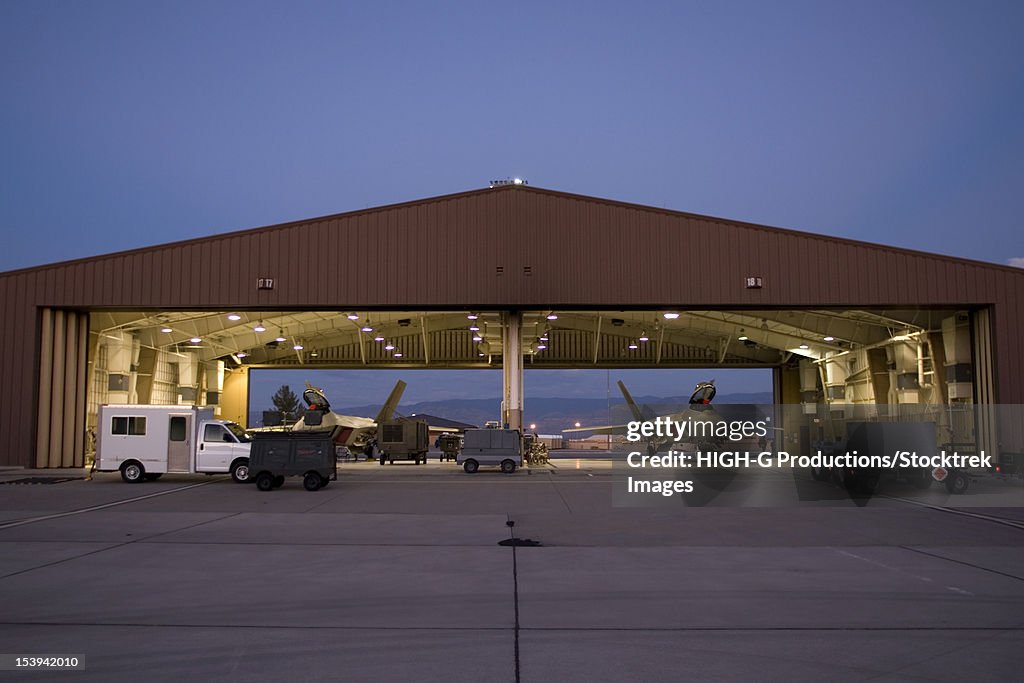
{"x": 179, "y": 447}
{"x": 216, "y": 448}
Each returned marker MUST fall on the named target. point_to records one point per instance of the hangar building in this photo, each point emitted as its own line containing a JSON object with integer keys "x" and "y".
{"x": 548, "y": 279}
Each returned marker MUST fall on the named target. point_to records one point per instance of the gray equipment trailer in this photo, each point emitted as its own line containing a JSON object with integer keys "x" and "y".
{"x": 276, "y": 455}
{"x": 501, "y": 447}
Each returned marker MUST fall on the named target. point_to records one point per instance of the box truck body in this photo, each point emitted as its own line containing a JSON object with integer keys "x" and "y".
{"x": 146, "y": 441}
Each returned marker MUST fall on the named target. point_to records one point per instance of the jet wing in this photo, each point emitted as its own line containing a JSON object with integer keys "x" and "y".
{"x": 606, "y": 429}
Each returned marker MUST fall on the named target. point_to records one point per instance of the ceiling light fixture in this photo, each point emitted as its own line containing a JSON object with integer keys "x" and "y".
{"x": 644, "y": 337}
{"x": 234, "y": 316}
{"x": 398, "y": 354}
{"x": 474, "y": 328}
{"x": 379, "y": 338}
{"x": 829, "y": 338}
{"x": 259, "y": 327}
{"x": 552, "y": 316}
{"x": 670, "y": 315}
{"x": 389, "y": 347}
{"x": 280, "y": 336}
{"x": 195, "y": 340}
{"x": 633, "y": 345}
{"x": 367, "y": 327}
{"x": 297, "y": 347}
{"x": 472, "y": 316}
{"x": 477, "y": 338}
{"x": 241, "y": 354}
{"x": 353, "y": 316}
{"x": 804, "y": 346}
{"x": 743, "y": 335}
{"x": 166, "y": 329}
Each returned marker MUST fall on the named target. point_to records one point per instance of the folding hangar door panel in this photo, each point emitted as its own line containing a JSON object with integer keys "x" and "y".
{"x": 60, "y": 426}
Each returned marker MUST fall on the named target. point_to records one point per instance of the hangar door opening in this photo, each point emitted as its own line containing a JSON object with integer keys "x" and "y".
{"x": 63, "y": 382}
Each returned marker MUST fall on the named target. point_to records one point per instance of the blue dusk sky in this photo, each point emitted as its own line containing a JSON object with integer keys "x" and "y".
{"x": 127, "y": 124}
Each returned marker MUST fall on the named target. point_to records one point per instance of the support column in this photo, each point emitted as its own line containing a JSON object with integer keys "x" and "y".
{"x": 512, "y": 369}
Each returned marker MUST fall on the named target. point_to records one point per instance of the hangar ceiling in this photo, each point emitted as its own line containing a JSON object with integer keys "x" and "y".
{"x": 550, "y": 338}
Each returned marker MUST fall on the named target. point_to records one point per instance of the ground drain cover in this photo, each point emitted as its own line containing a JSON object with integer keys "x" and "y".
{"x": 520, "y": 542}
{"x": 42, "y": 480}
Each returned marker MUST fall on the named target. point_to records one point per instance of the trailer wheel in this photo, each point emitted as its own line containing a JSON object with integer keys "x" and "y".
{"x": 153, "y": 476}
{"x": 508, "y": 466}
{"x": 471, "y": 466}
{"x": 957, "y": 483}
{"x": 265, "y": 481}
{"x": 240, "y": 470}
{"x": 278, "y": 481}
{"x": 311, "y": 481}
{"x": 133, "y": 472}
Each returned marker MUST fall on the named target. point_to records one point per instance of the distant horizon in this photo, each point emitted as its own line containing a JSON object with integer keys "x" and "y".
{"x": 368, "y": 387}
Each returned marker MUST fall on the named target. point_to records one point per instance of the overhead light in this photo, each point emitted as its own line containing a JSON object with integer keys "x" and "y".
{"x": 474, "y": 328}
{"x": 633, "y": 345}
{"x": 241, "y": 354}
{"x": 481, "y": 354}
{"x": 314, "y": 354}
{"x": 477, "y": 338}
{"x": 259, "y": 327}
{"x": 234, "y": 316}
{"x": 366, "y": 328}
{"x": 195, "y": 340}
{"x": 379, "y": 338}
{"x": 544, "y": 338}
{"x": 472, "y": 316}
{"x": 280, "y": 336}
{"x": 829, "y": 338}
{"x": 804, "y": 346}
{"x": 552, "y": 316}
{"x": 389, "y": 347}
{"x": 398, "y": 354}
{"x": 166, "y": 329}
{"x": 541, "y": 347}
{"x": 643, "y": 336}
{"x": 743, "y": 335}
{"x": 670, "y": 315}
{"x": 353, "y": 316}
{"x": 297, "y": 347}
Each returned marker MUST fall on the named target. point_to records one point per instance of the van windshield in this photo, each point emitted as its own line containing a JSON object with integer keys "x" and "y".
{"x": 239, "y": 433}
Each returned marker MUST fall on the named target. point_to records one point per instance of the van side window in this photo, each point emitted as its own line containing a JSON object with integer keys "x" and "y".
{"x": 130, "y": 426}
{"x": 176, "y": 429}
{"x": 216, "y": 433}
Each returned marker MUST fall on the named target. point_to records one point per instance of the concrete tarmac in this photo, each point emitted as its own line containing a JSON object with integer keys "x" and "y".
{"x": 395, "y": 573}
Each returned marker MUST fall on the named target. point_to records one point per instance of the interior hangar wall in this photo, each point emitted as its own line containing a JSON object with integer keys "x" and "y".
{"x": 511, "y": 247}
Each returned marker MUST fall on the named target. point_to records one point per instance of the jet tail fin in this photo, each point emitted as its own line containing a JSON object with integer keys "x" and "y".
{"x": 387, "y": 411}
{"x": 633, "y": 407}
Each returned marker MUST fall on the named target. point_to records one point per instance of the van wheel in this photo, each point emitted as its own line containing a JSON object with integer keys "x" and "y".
{"x": 508, "y": 466}
{"x": 471, "y": 466}
{"x": 240, "y": 470}
{"x": 265, "y": 481}
{"x": 311, "y": 481}
{"x": 133, "y": 472}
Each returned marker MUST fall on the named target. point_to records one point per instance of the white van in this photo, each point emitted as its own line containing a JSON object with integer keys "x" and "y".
{"x": 144, "y": 442}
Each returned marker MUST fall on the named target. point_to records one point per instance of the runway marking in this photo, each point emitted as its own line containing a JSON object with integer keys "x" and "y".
{"x": 58, "y": 515}
{"x": 976, "y": 515}
{"x": 885, "y": 566}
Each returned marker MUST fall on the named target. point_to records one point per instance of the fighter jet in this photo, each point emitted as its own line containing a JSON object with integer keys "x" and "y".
{"x": 699, "y": 410}
{"x": 352, "y": 431}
